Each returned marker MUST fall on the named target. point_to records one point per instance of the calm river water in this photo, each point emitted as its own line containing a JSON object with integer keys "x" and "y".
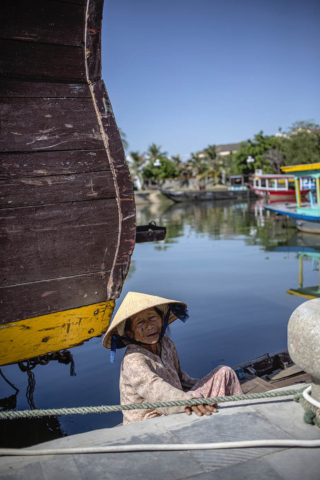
{"x": 230, "y": 262}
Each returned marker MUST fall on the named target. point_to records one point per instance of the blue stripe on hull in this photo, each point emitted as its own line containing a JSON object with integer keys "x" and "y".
{"x": 295, "y": 215}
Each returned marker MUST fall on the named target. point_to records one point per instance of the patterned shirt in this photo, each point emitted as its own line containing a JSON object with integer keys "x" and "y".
{"x": 146, "y": 377}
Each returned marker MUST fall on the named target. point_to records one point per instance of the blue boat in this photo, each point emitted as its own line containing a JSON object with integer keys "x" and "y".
{"x": 305, "y": 216}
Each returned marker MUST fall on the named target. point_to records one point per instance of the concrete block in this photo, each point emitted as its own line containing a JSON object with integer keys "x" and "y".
{"x": 139, "y": 465}
{"x": 288, "y": 416}
{"x": 59, "y": 467}
{"x": 251, "y": 470}
{"x": 296, "y": 463}
{"x": 22, "y": 470}
{"x": 245, "y": 425}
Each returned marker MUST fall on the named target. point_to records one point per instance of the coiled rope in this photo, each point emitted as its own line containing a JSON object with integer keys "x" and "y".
{"x": 311, "y": 407}
{"x": 140, "y": 406}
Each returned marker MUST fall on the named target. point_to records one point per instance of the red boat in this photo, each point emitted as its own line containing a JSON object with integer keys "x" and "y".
{"x": 276, "y": 186}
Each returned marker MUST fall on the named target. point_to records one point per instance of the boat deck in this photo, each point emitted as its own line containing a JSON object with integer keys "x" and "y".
{"x": 250, "y": 420}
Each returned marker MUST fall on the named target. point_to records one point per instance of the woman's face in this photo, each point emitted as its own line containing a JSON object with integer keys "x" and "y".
{"x": 146, "y": 326}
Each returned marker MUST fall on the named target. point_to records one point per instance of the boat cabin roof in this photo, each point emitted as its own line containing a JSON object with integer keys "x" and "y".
{"x": 307, "y": 169}
{"x": 274, "y": 176}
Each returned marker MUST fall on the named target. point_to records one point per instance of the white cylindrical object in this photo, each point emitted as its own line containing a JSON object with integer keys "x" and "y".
{"x": 162, "y": 447}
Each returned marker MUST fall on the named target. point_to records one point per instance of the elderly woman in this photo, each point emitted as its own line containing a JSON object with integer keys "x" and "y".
{"x": 150, "y": 369}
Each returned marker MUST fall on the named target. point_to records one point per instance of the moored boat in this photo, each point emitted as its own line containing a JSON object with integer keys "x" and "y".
{"x": 179, "y": 196}
{"x": 277, "y": 187}
{"x": 270, "y": 371}
{"x": 305, "y": 216}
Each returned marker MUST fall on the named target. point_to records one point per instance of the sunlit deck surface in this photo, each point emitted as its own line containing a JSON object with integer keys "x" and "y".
{"x": 251, "y": 420}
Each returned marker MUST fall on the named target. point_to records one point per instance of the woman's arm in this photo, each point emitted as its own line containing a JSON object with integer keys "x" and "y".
{"x": 138, "y": 370}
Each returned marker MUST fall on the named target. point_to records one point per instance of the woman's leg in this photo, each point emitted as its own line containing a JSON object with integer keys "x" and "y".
{"x": 222, "y": 381}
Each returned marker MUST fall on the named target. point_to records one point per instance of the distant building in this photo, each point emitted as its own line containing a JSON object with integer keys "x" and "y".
{"x": 297, "y": 130}
{"x": 228, "y": 149}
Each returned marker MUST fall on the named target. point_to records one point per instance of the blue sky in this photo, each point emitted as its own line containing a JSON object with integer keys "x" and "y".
{"x": 188, "y": 73}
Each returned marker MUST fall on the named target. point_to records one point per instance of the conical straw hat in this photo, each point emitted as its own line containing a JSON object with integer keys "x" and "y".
{"x": 132, "y": 304}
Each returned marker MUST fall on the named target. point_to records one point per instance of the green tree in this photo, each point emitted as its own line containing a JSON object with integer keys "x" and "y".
{"x": 167, "y": 169}
{"x": 266, "y": 151}
{"x": 304, "y": 125}
{"x": 302, "y": 147}
{"x": 211, "y": 152}
{"x": 176, "y": 159}
{"x": 302, "y": 143}
{"x": 154, "y": 152}
{"x": 201, "y": 166}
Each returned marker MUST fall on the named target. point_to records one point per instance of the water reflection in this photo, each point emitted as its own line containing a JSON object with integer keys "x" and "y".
{"x": 220, "y": 220}
{"x": 231, "y": 261}
{"x": 306, "y": 248}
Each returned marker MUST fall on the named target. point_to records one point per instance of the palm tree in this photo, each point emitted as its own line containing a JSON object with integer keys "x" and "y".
{"x": 180, "y": 166}
{"x": 211, "y": 152}
{"x": 216, "y": 165}
{"x": 124, "y": 140}
{"x": 201, "y": 165}
{"x": 154, "y": 152}
{"x": 135, "y": 162}
{"x": 176, "y": 160}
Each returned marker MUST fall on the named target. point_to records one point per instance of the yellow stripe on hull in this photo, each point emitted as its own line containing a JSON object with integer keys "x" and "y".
{"x": 298, "y": 294}
{"x": 53, "y": 332}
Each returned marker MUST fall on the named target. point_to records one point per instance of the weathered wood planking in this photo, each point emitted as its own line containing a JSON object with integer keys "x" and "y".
{"x": 53, "y": 241}
{"x": 40, "y": 298}
{"x": 125, "y": 189}
{"x": 78, "y": 2}
{"x": 52, "y": 189}
{"x": 125, "y": 250}
{"x": 40, "y": 164}
{"x": 93, "y": 40}
{"x": 60, "y": 148}
{"x": 113, "y": 139}
{"x": 11, "y": 87}
{"x": 53, "y": 62}
{"x": 44, "y": 21}
{"x": 48, "y": 124}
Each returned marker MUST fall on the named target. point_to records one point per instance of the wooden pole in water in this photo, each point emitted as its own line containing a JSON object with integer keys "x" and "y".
{"x": 298, "y": 193}
{"x": 300, "y": 272}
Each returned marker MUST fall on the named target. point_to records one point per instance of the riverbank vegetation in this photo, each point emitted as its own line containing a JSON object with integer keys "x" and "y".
{"x": 299, "y": 144}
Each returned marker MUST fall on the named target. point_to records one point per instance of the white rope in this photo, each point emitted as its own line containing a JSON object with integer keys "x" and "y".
{"x": 162, "y": 447}
{"x": 308, "y": 397}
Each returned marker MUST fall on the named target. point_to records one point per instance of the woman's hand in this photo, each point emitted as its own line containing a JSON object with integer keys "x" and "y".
{"x": 201, "y": 409}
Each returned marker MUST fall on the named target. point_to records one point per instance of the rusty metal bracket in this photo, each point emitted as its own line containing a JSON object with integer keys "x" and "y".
{"x": 150, "y": 233}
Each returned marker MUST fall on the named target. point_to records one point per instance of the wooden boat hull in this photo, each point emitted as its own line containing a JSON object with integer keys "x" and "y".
{"x": 304, "y": 223}
{"x": 34, "y": 337}
{"x": 277, "y": 194}
{"x": 203, "y": 195}
{"x": 268, "y": 372}
{"x": 67, "y": 203}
